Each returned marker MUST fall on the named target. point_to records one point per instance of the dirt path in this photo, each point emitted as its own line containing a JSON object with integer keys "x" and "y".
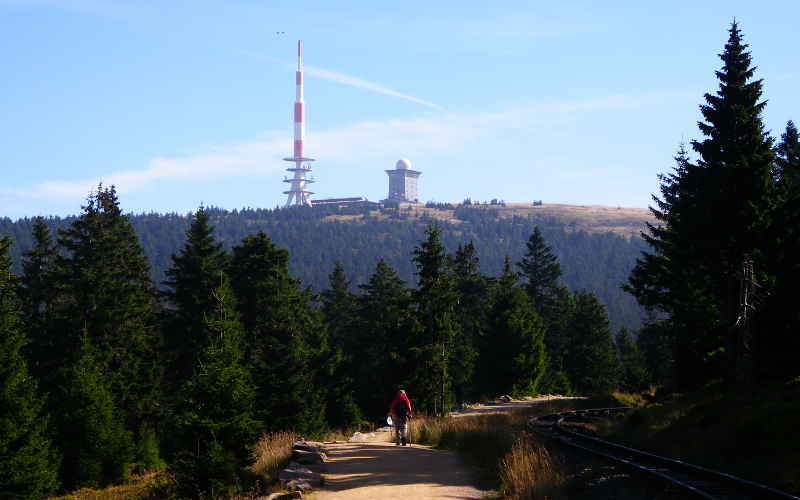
{"x": 383, "y": 470}
{"x": 378, "y": 469}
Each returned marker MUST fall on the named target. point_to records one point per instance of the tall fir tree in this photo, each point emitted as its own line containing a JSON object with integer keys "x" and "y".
{"x": 286, "y": 340}
{"x": 39, "y": 295}
{"x": 633, "y": 374}
{"x": 381, "y": 342}
{"x": 436, "y": 300}
{"x": 28, "y": 462}
{"x": 215, "y": 422}
{"x": 540, "y": 271}
{"x": 777, "y": 354}
{"x": 787, "y": 159}
{"x": 514, "y": 352}
{"x": 338, "y": 306}
{"x": 656, "y": 342}
{"x": 593, "y": 363}
{"x": 472, "y": 289}
{"x": 339, "y": 309}
{"x": 557, "y": 340}
{"x": 97, "y": 448}
{"x": 190, "y": 283}
{"x": 108, "y": 294}
{"x": 713, "y": 213}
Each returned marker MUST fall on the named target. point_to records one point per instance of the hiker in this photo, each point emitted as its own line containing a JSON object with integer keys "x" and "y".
{"x": 400, "y": 411}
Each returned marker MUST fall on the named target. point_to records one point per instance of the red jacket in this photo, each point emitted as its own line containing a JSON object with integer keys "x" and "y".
{"x": 401, "y": 399}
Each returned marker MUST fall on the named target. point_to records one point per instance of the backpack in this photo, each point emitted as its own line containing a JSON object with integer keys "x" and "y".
{"x": 402, "y": 410}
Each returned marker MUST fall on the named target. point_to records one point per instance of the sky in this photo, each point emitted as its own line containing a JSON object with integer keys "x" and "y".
{"x": 182, "y": 103}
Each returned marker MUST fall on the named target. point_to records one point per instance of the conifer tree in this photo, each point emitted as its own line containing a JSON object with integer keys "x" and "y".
{"x": 28, "y": 462}
{"x": 557, "y": 340}
{"x": 787, "y": 161}
{"x": 190, "y": 284}
{"x": 38, "y": 295}
{"x": 712, "y": 213}
{"x": 515, "y": 354}
{"x": 286, "y": 341}
{"x": 338, "y": 305}
{"x": 593, "y": 363}
{"x": 633, "y": 375}
{"x": 436, "y": 300}
{"x": 339, "y": 309}
{"x": 98, "y": 451}
{"x": 215, "y": 422}
{"x": 656, "y": 342}
{"x": 472, "y": 290}
{"x": 385, "y": 331}
{"x": 108, "y": 294}
{"x": 541, "y": 271}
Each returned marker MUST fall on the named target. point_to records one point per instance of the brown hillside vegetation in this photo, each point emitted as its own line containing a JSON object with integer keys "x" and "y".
{"x": 625, "y": 221}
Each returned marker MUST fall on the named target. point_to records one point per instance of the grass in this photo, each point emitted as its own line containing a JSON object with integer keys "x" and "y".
{"x": 272, "y": 453}
{"x": 505, "y": 456}
{"x": 140, "y": 487}
{"x": 752, "y": 435}
{"x": 623, "y": 221}
{"x": 529, "y": 470}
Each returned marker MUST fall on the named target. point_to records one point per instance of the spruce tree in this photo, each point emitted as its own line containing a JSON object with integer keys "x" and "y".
{"x": 339, "y": 308}
{"x": 541, "y": 271}
{"x": 787, "y": 161}
{"x": 557, "y": 341}
{"x": 633, "y": 375}
{"x": 215, "y": 422}
{"x": 593, "y": 363}
{"x": 381, "y": 361}
{"x": 656, "y": 342}
{"x": 472, "y": 290}
{"x": 713, "y": 212}
{"x": 38, "y": 295}
{"x": 286, "y": 341}
{"x": 97, "y": 448}
{"x": 436, "y": 300}
{"x": 108, "y": 294}
{"x": 514, "y": 352}
{"x": 28, "y": 462}
{"x": 191, "y": 279}
{"x": 338, "y": 305}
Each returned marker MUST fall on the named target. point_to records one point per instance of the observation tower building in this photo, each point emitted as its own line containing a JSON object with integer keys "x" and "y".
{"x": 403, "y": 182}
{"x": 298, "y": 193}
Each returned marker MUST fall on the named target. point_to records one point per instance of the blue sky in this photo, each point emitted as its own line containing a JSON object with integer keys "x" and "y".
{"x": 182, "y": 103}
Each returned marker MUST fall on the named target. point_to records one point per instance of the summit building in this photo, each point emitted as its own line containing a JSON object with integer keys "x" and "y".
{"x": 403, "y": 183}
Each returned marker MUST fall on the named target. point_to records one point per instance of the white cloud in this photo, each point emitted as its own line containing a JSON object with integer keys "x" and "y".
{"x": 366, "y": 142}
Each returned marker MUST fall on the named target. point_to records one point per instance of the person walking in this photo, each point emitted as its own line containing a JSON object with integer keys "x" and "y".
{"x": 400, "y": 411}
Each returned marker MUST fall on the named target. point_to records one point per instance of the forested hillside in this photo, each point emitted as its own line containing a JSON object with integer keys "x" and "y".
{"x": 359, "y": 236}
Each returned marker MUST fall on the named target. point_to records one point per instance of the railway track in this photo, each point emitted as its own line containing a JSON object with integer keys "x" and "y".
{"x": 696, "y": 481}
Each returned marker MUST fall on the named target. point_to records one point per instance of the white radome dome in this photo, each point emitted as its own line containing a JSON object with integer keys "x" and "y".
{"x": 403, "y": 164}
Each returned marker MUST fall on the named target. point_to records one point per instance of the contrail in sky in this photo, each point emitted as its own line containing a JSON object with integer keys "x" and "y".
{"x": 352, "y": 81}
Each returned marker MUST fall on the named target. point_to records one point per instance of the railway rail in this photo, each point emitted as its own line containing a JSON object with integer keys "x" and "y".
{"x": 696, "y": 481}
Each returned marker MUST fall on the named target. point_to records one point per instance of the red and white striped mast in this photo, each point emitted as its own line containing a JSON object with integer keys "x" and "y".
{"x": 298, "y": 194}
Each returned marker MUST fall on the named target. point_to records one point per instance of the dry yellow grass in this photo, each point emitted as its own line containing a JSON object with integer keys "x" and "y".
{"x": 624, "y": 221}
{"x": 139, "y": 488}
{"x": 272, "y": 453}
{"x": 529, "y": 471}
